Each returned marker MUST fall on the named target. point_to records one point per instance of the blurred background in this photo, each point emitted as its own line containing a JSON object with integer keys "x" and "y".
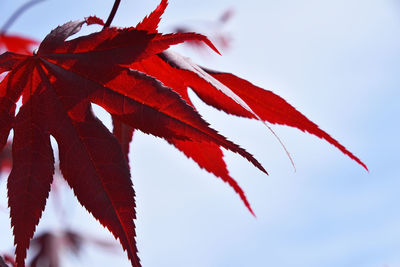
{"x": 338, "y": 62}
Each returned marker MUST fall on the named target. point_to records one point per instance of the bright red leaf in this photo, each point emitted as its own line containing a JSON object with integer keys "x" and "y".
{"x": 130, "y": 74}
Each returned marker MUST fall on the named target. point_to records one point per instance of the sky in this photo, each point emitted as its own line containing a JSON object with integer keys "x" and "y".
{"x": 338, "y": 62}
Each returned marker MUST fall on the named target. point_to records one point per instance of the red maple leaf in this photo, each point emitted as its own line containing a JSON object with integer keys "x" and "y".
{"x": 130, "y": 74}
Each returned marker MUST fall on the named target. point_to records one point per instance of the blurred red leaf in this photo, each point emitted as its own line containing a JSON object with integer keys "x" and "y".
{"x": 2, "y": 262}
{"x": 16, "y": 44}
{"x": 7, "y": 259}
{"x": 214, "y": 29}
{"x": 50, "y": 246}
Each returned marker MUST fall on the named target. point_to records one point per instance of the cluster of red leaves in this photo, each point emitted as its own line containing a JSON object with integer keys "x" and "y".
{"x": 129, "y": 73}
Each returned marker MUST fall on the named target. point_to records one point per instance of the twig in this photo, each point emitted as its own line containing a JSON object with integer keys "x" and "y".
{"x": 18, "y": 13}
{"x": 112, "y": 14}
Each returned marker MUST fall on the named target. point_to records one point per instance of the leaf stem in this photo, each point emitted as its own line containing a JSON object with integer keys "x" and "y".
{"x": 18, "y": 13}
{"x": 112, "y": 14}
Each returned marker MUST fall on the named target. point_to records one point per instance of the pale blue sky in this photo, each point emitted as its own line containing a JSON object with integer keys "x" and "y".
{"x": 336, "y": 61}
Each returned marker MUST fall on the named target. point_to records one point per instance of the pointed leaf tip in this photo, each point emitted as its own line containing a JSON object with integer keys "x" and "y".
{"x": 150, "y": 23}
{"x": 57, "y": 36}
{"x": 270, "y": 107}
{"x": 94, "y": 20}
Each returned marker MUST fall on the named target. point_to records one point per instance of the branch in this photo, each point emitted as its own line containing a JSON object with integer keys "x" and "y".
{"x": 112, "y": 14}
{"x": 18, "y": 13}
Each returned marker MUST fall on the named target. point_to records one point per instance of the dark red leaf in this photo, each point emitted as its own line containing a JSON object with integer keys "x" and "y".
{"x": 92, "y": 162}
{"x": 33, "y": 167}
{"x": 57, "y": 36}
